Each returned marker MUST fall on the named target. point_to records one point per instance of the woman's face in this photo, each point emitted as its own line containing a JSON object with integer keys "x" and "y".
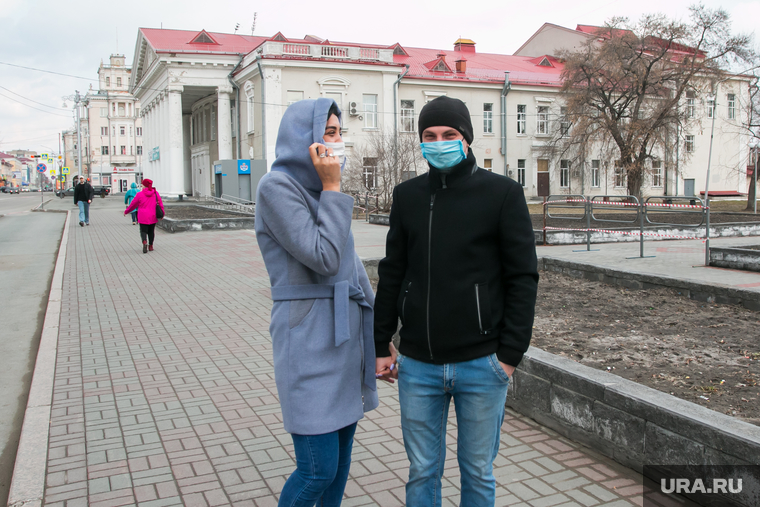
{"x": 332, "y": 130}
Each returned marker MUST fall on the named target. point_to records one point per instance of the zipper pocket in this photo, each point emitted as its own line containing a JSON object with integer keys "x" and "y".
{"x": 403, "y": 303}
{"x": 477, "y": 301}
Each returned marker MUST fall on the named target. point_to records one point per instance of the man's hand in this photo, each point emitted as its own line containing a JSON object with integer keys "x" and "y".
{"x": 327, "y": 166}
{"x": 508, "y": 369}
{"x": 386, "y": 367}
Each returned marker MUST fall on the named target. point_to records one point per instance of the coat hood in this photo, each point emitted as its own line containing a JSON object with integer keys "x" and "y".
{"x": 302, "y": 125}
{"x": 134, "y": 185}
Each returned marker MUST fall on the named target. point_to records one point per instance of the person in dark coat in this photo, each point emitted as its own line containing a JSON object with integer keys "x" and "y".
{"x": 83, "y": 194}
{"x": 460, "y": 272}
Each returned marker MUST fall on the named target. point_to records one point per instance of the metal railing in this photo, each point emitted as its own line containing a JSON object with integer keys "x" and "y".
{"x": 633, "y": 211}
{"x": 227, "y": 203}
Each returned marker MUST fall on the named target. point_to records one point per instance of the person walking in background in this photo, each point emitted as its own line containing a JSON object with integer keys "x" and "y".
{"x": 131, "y": 193}
{"x": 83, "y": 194}
{"x": 321, "y": 325}
{"x": 460, "y": 271}
{"x": 145, "y": 202}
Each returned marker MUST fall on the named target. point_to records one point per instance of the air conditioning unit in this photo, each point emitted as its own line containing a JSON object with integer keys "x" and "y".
{"x": 353, "y": 110}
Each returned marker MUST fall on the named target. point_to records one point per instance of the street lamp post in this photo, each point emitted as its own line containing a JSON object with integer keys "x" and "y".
{"x": 78, "y": 99}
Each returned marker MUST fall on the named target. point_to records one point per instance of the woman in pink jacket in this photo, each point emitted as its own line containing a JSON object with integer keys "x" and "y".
{"x": 145, "y": 203}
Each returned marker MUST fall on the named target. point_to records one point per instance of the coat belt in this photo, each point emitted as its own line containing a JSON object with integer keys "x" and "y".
{"x": 340, "y": 293}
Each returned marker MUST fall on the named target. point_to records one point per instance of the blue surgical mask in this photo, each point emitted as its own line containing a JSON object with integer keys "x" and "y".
{"x": 443, "y": 155}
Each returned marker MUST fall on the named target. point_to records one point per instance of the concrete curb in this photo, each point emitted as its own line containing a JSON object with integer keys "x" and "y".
{"x": 632, "y": 280}
{"x": 28, "y": 483}
{"x": 633, "y": 424}
{"x": 745, "y": 259}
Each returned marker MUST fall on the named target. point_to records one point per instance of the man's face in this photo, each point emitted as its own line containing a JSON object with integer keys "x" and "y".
{"x": 435, "y": 134}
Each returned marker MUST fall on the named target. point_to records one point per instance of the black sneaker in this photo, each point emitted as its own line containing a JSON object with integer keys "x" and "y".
{"x": 81, "y": 224}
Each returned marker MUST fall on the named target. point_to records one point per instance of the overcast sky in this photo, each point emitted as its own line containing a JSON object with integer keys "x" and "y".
{"x": 73, "y": 37}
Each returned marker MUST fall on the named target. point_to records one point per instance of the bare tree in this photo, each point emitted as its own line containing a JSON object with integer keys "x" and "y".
{"x": 381, "y": 162}
{"x": 622, "y": 88}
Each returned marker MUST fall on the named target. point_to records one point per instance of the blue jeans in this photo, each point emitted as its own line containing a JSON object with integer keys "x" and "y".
{"x": 84, "y": 211}
{"x": 322, "y": 465}
{"x": 134, "y": 216}
{"x": 479, "y": 389}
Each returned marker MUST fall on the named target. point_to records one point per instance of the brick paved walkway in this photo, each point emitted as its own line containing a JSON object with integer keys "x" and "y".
{"x": 164, "y": 391}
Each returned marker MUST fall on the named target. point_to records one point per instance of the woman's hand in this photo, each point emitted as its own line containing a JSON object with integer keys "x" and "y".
{"x": 327, "y": 166}
{"x": 386, "y": 368}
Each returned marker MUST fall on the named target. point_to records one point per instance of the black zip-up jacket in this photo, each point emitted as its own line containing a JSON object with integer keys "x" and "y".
{"x": 460, "y": 269}
{"x": 83, "y": 192}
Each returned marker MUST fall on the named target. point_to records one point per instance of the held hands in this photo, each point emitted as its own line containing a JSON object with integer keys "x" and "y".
{"x": 386, "y": 368}
{"x": 327, "y": 166}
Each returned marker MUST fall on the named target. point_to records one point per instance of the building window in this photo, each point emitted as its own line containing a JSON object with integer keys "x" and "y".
{"x": 103, "y": 131}
{"x": 137, "y": 111}
{"x": 521, "y": 171}
{"x": 114, "y": 150}
{"x": 488, "y": 164}
{"x": 122, "y": 109}
{"x": 369, "y": 172}
{"x": 123, "y": 150}
{"x": 118, "y": 81}
{"x": 542, "y": 120}
{"x": 690, "y": 104}
{"x": 710, "y": 107}
{"x": 104, "y": 150}
{"x": 521, "y": 115}
{"x": 130, "y": 131}
{"x": 370, "y": 111}
{"x": 131, "y": 150}
{"x": 595, "y": 179}
{"x": 689, "y": 144}
{"x": 564, "y": 173}
{"x": 564, "y": 125}
{"x": 656, "y": 173}
{"x": 103, "y": 112}
{"x": 407, "y": 116}
{"x": 251, "y": 107}
{"x": 731, "y": 106}
{"x": 122, "y": 130}
{"x": 294, "y": 96}
{"x": 619, "y": 175}
{"x": 488, "y": 118}
{"x": 108, "y": 81}
{"x": 139, "y": 131}
{"x": 139, "y": 150}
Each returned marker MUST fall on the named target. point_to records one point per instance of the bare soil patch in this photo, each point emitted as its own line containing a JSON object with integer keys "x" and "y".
{"x": 192, "y": 212}
{"x": 704, "y": 353}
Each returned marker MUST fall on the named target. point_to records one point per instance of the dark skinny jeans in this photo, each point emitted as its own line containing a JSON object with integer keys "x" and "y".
{"x": 149, "y": 231}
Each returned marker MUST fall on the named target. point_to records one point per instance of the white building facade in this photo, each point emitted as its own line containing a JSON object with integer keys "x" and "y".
{"x": 210, "y": 96}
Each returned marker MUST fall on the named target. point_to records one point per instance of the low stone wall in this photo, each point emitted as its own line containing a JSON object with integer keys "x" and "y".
{"x": 173, "y": 225}
{"x": 380, "y": 219}
{"x": 633, "y": 424}
{"x": 660, "y": 233}
{"x": 735, "y": 258}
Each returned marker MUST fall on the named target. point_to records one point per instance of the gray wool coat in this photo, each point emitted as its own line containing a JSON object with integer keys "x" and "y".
{"x": 322, "y": 318}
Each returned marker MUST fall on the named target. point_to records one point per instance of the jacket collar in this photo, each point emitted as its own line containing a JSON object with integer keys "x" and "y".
{"x": 458, "y": 174}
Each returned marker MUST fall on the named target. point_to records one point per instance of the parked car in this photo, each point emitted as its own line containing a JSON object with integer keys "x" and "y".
{"x": 9, "y": 190}
{"x": 69, "y": 192}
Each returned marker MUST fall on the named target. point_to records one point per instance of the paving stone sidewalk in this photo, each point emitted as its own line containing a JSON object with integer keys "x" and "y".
{"x": 164, "y": 391}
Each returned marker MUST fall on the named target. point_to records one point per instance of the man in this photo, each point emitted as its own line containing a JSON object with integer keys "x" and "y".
{"x": 83, "y": 194}
{"x": 460, "y": 272}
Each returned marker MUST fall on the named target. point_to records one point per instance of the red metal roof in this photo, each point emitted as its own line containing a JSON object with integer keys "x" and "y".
{"x": 178, "y": 41}
{"x": 481, "y": 67}
{"x": 5, "y": 155}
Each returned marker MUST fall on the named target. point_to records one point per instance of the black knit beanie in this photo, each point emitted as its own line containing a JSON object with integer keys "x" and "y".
{"x": 446, "y": 112}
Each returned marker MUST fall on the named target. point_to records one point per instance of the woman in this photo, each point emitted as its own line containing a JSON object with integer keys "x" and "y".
{"x": 131, "y": 193}
{"x": 321, "y": 327}
{"x": 145, "y": 203}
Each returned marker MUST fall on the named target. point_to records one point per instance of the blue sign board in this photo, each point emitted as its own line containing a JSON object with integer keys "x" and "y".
{"x": 244, "y": 166}
{"x": 41, "y": 168}
{"x": 218, "y": 169}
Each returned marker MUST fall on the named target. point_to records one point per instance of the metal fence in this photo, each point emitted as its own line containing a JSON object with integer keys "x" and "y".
{"x": 628, "y": 209}
{"x": 227, "y": 203}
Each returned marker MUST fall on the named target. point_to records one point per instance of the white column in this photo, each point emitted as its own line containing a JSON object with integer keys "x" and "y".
{"x": 186, "y": 155}
{"x": 175, "y": 168}
{"x": 224, "y": 126}
{"x": 272, "y": 96}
